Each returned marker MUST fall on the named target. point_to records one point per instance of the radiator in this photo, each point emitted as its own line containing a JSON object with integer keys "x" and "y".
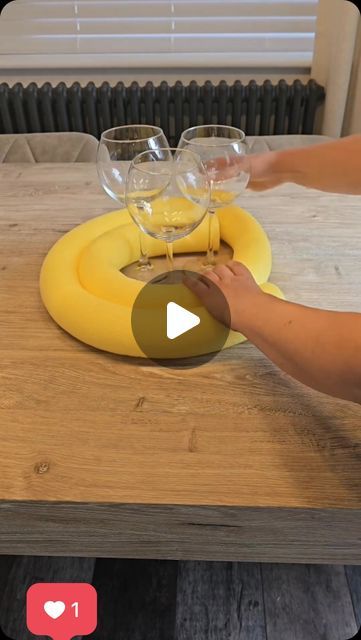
{"x": 257, "y": 109}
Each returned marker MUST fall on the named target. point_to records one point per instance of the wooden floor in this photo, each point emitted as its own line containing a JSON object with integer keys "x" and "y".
{"x": 168, "y": 600}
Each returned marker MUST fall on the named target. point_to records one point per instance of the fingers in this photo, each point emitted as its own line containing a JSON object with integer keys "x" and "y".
{"x": 215, "y": 164}
{"x": 259, "y": 166}
{"x": 212, "y": 276}
{"x": 221, "y": 168}
{"x": 220, "y": 274}
{"x": 237, "y": 268}
{"x": 197, "y": 285}
{"x": 223, "y": 272}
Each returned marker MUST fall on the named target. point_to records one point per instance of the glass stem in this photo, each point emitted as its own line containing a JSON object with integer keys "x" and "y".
{"x": 143, "y": 263}
{"x": 211, "y": 258}
{"x": 169, "y": 254}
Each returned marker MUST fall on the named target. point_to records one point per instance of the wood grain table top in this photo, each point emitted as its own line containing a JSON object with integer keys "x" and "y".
{"x": 81, "y": 426}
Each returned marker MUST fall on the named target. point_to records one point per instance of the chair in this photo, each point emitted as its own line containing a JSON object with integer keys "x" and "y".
{"x": 48, "y": 147}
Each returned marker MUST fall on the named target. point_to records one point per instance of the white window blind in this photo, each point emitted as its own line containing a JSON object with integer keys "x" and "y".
{"x": 163, "y": 33}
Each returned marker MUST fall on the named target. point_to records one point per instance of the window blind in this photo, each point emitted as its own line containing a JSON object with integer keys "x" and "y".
{"x": 163, "y": 33}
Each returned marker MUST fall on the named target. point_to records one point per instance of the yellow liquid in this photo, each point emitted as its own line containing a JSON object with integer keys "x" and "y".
{"x": 220, "y": 197}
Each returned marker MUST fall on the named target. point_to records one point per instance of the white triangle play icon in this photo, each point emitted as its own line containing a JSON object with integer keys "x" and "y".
{"x": 179, "y": 320}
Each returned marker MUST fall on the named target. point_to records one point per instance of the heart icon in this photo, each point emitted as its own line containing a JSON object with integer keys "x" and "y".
{"x": 54, "y": 609}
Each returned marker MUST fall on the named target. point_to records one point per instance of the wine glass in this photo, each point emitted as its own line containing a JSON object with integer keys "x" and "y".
{"x": 116, "y": 150}
{"x": 223, "y": 151}
{"x": 167, "y": 194}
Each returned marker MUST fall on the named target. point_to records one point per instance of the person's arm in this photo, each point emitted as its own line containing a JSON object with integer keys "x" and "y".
{"x": 321, "y": 349}
{"x": 333, "y": 166}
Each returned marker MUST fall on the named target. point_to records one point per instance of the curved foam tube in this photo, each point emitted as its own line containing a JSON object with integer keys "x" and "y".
{"x": 85, "y": 292}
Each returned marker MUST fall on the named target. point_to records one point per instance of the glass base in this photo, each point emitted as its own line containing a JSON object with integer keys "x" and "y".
{"x": 196, "y": 262}
{"x": 144, "y": 272}
{"x": 200, "y": 264}
{"x": 144, "y": 266}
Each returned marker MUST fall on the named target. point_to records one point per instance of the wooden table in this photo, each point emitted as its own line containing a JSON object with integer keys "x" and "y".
{"x": 101, "y": 455}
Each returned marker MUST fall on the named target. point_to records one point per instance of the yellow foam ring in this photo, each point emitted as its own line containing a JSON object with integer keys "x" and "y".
{"x": 101, "y": 261}
{"x": 249, "y": 241}
{"x": 86, "y": 294}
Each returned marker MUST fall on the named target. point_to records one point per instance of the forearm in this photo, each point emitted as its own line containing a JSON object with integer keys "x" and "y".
{"x": 332, "y": 166}
{"x": 321, "y": 349}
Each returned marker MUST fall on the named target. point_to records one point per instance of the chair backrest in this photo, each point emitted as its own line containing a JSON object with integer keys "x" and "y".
{"x": 260, "y": 144}
{"x": 48, "y": 147}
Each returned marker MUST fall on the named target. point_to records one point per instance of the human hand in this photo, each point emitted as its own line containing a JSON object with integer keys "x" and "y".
{"x": 238, "y": 287}
{"x": 263, "y": 169}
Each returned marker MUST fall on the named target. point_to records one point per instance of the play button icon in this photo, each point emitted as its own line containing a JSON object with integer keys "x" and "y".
{"x": 171, "y": 326}
{"x": 179, "y": 320}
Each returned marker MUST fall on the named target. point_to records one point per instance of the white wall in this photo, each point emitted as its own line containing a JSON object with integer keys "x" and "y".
{"x": 98, "y": 76}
